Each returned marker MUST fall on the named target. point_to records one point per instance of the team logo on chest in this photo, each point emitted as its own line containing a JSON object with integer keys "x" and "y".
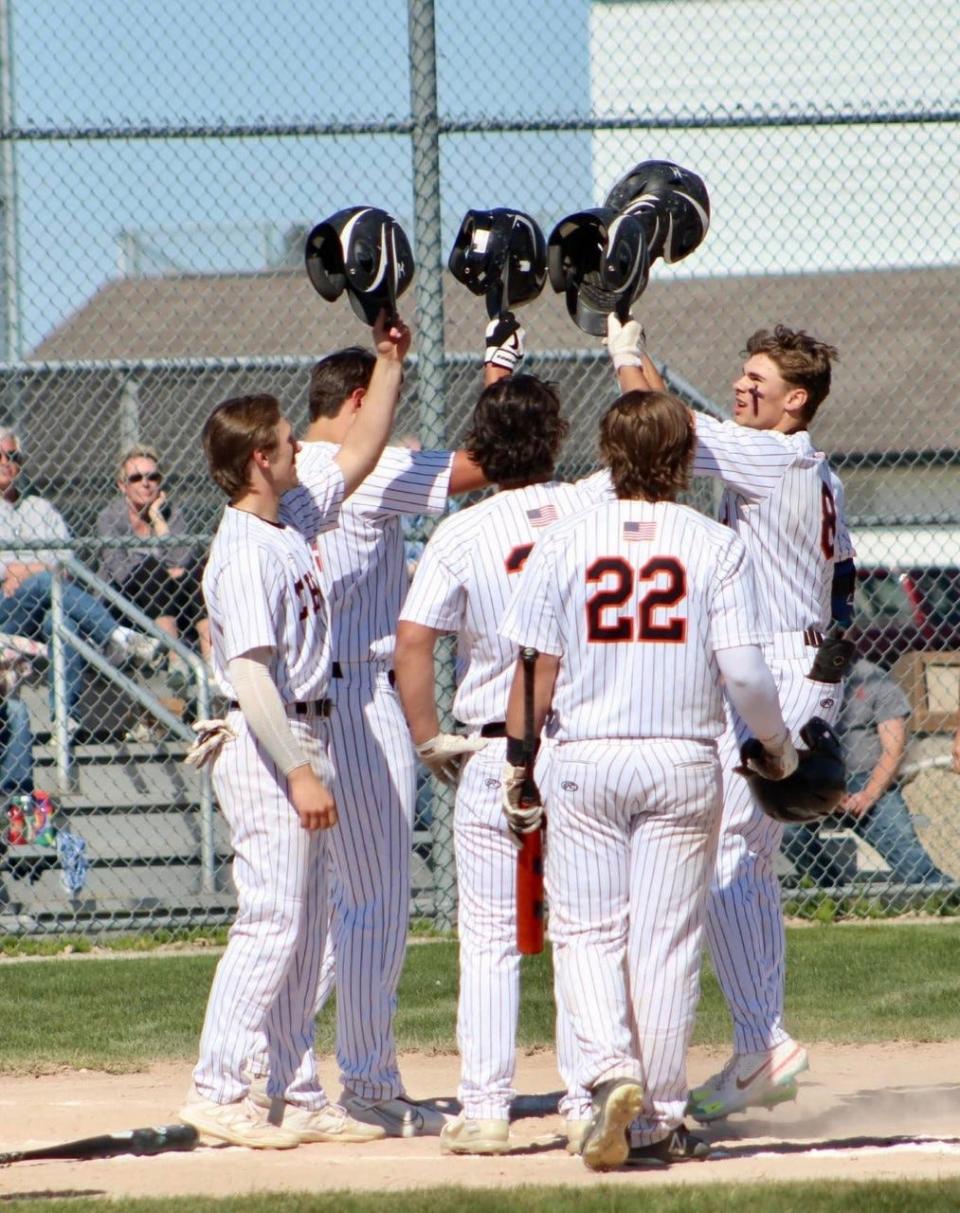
{"x": 309, "y": 595}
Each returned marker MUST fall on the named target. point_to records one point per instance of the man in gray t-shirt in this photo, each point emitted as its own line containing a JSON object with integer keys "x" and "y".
{"x": 26, "y": 579}
{"x": 873, "y": 726}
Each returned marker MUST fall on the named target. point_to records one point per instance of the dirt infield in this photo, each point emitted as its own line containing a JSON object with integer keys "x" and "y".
{"x": 853, "y": 1105}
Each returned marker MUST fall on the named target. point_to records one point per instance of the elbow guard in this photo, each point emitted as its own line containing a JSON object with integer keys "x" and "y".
{"x": 841, "y": 594}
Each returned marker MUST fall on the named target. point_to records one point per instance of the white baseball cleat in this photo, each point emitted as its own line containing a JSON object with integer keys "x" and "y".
{"x": 240, "y": 1123}
{"x": 331, "y": 1123}
{"x": 750, "y": 1080}
{"x": 575, "y": 1131}
{"x": 258, "y": 1092}
{"x": 464, "y": 1135}
{"x": 400, "y": 1117}
{"x": 616, "y": 1103}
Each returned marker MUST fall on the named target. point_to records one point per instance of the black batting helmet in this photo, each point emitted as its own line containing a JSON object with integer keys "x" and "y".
{"x": 365, "y": 252}
{"x": 500, "y": 254}
{"x": 599, "y": 259}
{"x": 814, "y": 789}
{"x": 671, "y": 203}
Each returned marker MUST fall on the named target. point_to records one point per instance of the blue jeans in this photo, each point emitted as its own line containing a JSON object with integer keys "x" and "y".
{"x": 27, "y": 613}
{"x": 889, "y": 829}
{"x": 16, "y": 758}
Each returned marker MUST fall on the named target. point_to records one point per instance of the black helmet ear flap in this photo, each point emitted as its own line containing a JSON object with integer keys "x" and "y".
{"x": 599, "y": 260}
{"x": 324, "y": 258}
{"x": 500, "y": 254}
{"x": 364, "y": 251}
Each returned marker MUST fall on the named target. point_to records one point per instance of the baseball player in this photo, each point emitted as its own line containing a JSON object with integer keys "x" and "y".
{"x": 782, "y": 498}
{"x": 462, "y": 585}
{"x": 637, "y": 609}
{"x": 364, "y": 576}
{"x": 271, "y": 770}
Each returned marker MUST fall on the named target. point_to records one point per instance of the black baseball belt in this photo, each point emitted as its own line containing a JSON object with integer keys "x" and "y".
{"x": 313, "y": 707}
{"x": 336, "y": 671}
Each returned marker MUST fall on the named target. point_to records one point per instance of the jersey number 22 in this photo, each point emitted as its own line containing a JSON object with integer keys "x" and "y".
{"x": 672, "y": 629}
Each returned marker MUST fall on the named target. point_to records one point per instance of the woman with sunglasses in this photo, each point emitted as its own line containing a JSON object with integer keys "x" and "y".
{"x": 164, "y": 582}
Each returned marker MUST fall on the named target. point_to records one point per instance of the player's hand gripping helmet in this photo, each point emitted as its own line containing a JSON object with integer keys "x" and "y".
{"x": 671, "y": 203}
{"x": 599, "y": 260}
{"x": 363, "y": 251}
{"x": 814, "y": 789}
{"x": 500, "y": 254}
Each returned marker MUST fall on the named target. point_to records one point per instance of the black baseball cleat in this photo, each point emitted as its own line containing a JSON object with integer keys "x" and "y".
{"x": 616, "y": 1103}
{"x": 679, "y": 1146}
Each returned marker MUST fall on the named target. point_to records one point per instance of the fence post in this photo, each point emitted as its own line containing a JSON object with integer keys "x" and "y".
{"x": 207, "y": 808}
{"x": 431, "y": 371}
{"x": 9, "y": 269}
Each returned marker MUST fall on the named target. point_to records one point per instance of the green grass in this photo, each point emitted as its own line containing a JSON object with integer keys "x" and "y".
{"x": 845, "y": 984}
{"x": 934, "y": 1196}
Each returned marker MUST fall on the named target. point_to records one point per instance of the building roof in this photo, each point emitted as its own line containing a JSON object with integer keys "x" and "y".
{"x": 895, "y": 384}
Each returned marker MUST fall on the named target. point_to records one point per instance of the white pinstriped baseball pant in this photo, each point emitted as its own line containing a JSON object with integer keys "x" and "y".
{"x": 267, "y": 977}
{"x": 489, "y": 999}
{"x": 631, "y": 843}
{"x": 369, "y": 875}
{"x": 745, "y": 919}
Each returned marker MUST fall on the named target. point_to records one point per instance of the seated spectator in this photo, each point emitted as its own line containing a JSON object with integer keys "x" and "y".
{"x": 163, "y": 582}
{"x": 16, "y": 749}
{"x": 873, "y": 727}
{"x": 27, "y": 580}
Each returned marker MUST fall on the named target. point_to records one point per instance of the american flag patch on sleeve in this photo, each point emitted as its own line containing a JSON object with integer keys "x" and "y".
{"x": 639, "y": 530}
{"x": 543, "y": 515}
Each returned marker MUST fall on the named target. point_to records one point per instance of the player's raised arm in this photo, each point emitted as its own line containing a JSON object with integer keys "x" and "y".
{"x": 627, "y": 346}
{"x": 367, "y": 436}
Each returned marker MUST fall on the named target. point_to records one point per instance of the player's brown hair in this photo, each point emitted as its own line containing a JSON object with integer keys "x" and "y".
{"x": 516, "y": 430}
{"x": 647, "y": 441}
{"x": 234, "y": 430}
{"x": 336, "y": 377}
{"x": 801, "y": 359}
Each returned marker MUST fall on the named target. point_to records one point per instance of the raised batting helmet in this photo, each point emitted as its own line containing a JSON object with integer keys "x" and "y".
{"x": 671, "y": 203}
{"x": 814, "y": 789}
{"x": 363, "y": 251}
{"x": 599, "y": 259}
{"x": 500, "y": 254}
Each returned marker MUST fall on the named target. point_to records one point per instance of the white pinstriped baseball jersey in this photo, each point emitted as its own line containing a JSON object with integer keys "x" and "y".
{"x": 779, "y": 496}
{"x": 649, "y": 590}
{"x": 362, "y": 563}
{"x": 462, "y": 585}
{"x": 261, "y": 589}
{"x": 466, "y": 577}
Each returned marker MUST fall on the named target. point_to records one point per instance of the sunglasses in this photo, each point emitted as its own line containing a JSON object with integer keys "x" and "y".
{"x": 11, "y": 456}
{"x": 136, "y": 477}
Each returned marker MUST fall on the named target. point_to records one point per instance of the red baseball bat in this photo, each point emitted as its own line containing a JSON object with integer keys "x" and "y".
{"x": 530, "y": 856}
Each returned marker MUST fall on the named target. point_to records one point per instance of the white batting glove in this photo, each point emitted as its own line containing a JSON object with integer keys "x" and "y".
{"x": 521, "y": 818}
{"x": 626, "y": 343}
{"x": 212, "y": 735}
{"x": 446, "y": 753}
{"x": 504, "y": 339}
{"x": 772, "y": 759}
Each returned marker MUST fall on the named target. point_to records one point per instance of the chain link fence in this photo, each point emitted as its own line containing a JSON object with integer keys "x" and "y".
{"x": 160, "y": 165}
